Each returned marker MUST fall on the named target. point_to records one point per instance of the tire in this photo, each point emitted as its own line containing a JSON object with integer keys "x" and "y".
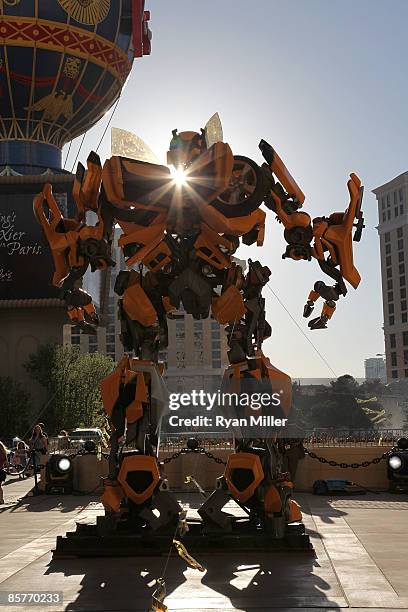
{"x": 248, "y": 204}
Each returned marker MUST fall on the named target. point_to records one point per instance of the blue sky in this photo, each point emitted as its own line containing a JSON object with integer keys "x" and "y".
{"x": 324, "y": 83}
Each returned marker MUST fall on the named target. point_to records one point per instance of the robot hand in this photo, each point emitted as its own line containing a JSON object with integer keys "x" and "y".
{"x": 81, "y": 310}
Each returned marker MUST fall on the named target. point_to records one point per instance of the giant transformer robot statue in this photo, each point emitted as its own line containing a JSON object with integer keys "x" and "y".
{"x": 178, "y": 241}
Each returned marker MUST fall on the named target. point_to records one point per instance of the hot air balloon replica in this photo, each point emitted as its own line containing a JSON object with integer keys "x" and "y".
{"x": 63, "y": 64}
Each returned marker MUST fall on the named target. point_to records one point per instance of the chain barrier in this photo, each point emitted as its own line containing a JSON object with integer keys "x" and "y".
{"x": 347, "y": 465}
{"x": 312, "y": 455}
{"x": 200, "y": 451}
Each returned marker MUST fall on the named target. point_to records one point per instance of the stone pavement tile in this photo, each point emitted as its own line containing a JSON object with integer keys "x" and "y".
{"x": 23, "y": 556}
{"x": 383, "y": 600}
{"x": 384, "y": 535}
{"x": 270, "y": 582}
{"x": 355, "y": 543}
{"x": 258, "y": 583}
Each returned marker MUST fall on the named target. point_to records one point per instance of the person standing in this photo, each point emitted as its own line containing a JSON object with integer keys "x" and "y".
{"x": 44, "y": 433}
{"x": 38, "y": 443}
{"x": 3, "y": 461}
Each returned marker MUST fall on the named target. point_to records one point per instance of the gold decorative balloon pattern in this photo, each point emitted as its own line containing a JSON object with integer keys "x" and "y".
{"x": 89, "y": 12}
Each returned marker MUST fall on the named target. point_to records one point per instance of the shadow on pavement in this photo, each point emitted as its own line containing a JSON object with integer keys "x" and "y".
{"x": 274, "y": 581}
{"x": 45, "y": 503}
{"x": 115, "y": 583}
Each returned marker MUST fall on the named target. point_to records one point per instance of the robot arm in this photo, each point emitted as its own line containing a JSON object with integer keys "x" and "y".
{"x": 327, "y": 239}
{"x": 75, "y": 245}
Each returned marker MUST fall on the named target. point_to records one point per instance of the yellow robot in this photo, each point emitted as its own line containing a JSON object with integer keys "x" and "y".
{"x": 180, "y": 231}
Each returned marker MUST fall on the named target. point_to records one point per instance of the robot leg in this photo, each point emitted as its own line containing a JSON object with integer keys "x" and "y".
{"x": 136, "y": 494}
{"x": 255, "y": 477}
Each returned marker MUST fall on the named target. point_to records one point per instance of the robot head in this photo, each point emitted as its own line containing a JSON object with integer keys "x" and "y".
{"x": 185, "y": 147}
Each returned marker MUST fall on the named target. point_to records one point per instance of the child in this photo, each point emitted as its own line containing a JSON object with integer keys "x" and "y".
{"x": 20, "y": 457}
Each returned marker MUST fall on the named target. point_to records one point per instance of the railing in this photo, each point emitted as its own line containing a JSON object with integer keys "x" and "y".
{"x": 313, "y": 439}
{"x": 359, "y": 437}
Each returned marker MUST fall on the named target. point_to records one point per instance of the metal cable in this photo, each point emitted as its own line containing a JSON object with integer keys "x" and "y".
{"x": 301, "y": 331}
{"x": 79, "y": 150}
{"x": 67, "y": 155}
{"x": 108, "y": 124}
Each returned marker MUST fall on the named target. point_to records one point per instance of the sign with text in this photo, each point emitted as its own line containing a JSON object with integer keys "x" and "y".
{"x": 26, "y": 265}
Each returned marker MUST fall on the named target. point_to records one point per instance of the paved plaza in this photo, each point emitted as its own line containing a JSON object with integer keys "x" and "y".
{"x": 360, "y": 561}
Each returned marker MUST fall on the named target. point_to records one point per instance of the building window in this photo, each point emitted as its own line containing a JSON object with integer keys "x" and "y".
{"x": 395, "y": 197}
{"x": 401, "y": 256}
{"x": 215, "y": 335}
{"x": 391, "y": 320}
{"x": 401, "y": 195}
{"x": 390, "y": 296}
{"x": 387, "y": 249}
{"x": 402, "y": 269}
{"x": 392, "y": 341}
{"x": 394, "y": 374}
{"x": 388, "y": 200}
{"x": 389, "y": 272}
{"x": 216, "y": 364}
{"x": 405, "y": 338}
{"x": 75, "y": 340}
{"x": 405, "y": 357}
{"x": 388, "y": 260}
{"x": 388, "y": 215}
{"x": 401, "y": 209}
{"x": 402, "y": 281}
{"x": 404, "y": 305}
{"x": 387, "y": 237}
{"x": 403, "y": 293}
{"x": 404, "y": 317}
{"x": 396, "y": 211}
{"x": 389, "y": 285}
{"x": 399, "y": 232}
{"x": 391, "y": 308}
{"x": 406, "y": 373}
{"x": 394, "y": 359}
{"x": 400, "y": 245}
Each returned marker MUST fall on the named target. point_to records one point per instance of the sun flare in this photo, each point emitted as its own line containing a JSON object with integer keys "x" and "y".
{"x": 179, "y": 176}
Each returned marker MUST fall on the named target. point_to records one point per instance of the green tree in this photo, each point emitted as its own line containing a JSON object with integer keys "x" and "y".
{"x": 72, "y": 381}
{"x": 15, "y": 405}
{"x": 333, "y": 407}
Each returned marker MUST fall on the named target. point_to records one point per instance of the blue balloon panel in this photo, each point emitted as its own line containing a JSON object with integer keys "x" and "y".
{"x": 63, "y": 64}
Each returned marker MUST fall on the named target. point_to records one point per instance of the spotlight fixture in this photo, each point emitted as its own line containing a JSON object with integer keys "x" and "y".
{"x": 397, "y": 468}
{"x": 59, "y": 474}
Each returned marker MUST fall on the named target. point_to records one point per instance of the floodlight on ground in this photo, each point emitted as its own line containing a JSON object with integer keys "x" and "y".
{"x": 64, "y": 464}
{"x": 395, "y": 462}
